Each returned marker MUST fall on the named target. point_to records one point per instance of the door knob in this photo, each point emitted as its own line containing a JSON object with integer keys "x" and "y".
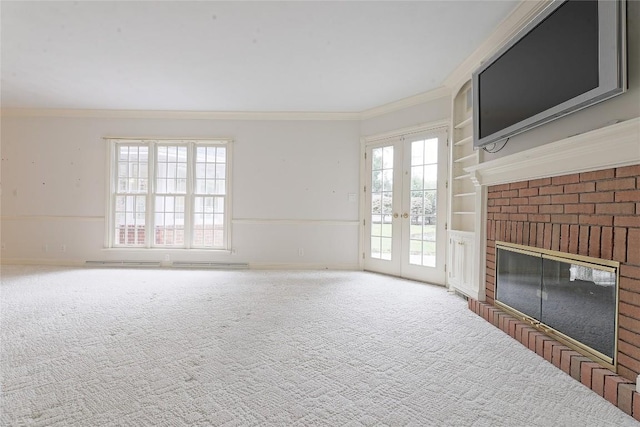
{"x": 405, "y": 215}
{"x": 395, "y": 215}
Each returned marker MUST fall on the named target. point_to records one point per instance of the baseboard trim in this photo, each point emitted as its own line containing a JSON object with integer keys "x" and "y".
{"x": 178, "y": 265}
{"x": 302, "y": 266}
{"x": 47, "y": 262}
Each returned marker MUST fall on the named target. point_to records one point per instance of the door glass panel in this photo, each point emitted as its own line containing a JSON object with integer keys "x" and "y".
{"x": 381, "y": 214}
{"x": 424, "y": 180}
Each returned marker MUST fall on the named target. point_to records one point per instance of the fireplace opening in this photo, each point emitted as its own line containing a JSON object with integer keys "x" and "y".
{"x": 572, "y": 298}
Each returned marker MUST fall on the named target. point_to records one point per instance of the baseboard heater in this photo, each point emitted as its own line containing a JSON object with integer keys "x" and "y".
{"x": 123, "y": 264}
{"x": 210, "y": 265}
{"x": 176, "y": 264}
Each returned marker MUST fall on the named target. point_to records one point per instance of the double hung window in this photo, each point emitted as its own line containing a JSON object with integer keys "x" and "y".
{"x": 169, "y": 194}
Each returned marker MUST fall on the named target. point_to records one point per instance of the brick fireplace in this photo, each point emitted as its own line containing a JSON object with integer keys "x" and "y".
{"x": 581, "y": 196}
{"x": 595, "y": 214}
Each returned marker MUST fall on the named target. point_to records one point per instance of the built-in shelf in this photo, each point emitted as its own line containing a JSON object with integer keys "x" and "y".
{"x": 464, "y": 123}
{"x": 464, "y": 141}
{"x": 465, "y": 158}
{"x": 463, "y": 255}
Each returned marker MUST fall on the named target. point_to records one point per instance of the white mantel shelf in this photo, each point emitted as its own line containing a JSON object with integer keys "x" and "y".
{"x": 612, "y": 146}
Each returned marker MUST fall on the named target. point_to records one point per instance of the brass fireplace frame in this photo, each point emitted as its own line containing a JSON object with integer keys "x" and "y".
{"x": 598, "y": 263}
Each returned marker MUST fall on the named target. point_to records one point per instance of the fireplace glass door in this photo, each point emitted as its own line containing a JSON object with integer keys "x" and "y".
{"x": 575, "y": 299}
{"x": 580, "y": 301}
{"x": 520, "y": 281}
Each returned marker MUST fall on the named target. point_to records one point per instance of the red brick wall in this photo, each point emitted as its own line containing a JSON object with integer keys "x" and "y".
{"x": 595, "y": 214}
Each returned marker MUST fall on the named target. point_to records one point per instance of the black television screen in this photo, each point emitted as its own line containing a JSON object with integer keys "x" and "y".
{"x": 569, "y": 57}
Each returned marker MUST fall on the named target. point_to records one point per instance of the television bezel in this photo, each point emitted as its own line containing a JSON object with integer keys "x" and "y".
{"x": 611, "y": 64}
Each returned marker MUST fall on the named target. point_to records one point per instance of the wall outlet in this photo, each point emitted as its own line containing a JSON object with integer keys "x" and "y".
{"x": 63, "y": 248}
{"x": 167, "y": 258}
{"x": 300, "y": 252}
{"x": 3, "y": 247}
{"x": 45, "y": 248}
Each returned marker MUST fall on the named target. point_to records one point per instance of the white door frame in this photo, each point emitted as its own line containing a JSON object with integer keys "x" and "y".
{"x": 391, "y": 137}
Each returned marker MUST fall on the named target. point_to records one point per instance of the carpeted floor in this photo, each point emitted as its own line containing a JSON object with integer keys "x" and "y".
{"x": 111, "y": 347}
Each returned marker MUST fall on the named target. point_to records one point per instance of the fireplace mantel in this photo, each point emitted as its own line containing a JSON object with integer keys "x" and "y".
{"x": 616, "y": 145}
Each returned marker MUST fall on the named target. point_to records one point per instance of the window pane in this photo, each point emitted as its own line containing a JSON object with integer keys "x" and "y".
{"x": 210, "y": 186}
{"x": 129, "y": 220}
{"x": 431, "y": 151}
{"x": 387, "y": 157}
{"x": 182, "y": 171}
{"x": 200, "y": 170}
{"x": 169, "y": 226}
{"x": 162, "y": 154}
{"x": 221, "y": 171}
{"x": 219, "y": 205}
{"x": 221, "y": 155}
{"x": 211, "y": 154}
{"x": 209, "y": 221}
{"x": 387, "y": 180}
{"x": 200, "y": 186}
{"x": 381, "y": 201}
{"x": 171, "y": 169}
{"x": 424, "y": 180}
{"x": 220, "y": 187}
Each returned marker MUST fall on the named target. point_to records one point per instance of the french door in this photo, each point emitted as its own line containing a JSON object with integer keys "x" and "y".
{"x": 405, "y": 206}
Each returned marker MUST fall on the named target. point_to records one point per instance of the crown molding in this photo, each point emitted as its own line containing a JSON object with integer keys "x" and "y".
{"x": 608, "y": 147}
{"x": 508, "y": 28}
{"x": 421, "y": 98}
{"x": 183, "y": 115}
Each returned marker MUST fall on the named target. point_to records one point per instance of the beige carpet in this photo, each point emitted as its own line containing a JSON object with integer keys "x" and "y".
{"x": 112, "y": 347}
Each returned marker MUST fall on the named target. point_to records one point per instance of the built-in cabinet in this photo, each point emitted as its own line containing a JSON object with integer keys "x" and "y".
{"x": 465, "y": 201}
{"x": 460, "y": 262}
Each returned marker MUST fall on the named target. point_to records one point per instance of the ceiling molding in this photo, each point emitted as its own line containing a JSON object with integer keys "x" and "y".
{"x": 506, "y": 30}
{"x": 411, "y": 101}
{"x": 184, "y": 115}
{"x": 608, "y": 147}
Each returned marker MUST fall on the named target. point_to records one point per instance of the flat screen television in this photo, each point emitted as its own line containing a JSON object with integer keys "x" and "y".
{"x": 570, "y": 56}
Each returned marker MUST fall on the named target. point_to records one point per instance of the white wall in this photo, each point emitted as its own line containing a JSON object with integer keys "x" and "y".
{"x": 622, "y": 107}
{"x": 291, "y": 181}
{"x": 426, "y": 112}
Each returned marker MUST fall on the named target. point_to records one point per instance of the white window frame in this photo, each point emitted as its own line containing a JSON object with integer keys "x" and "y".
{"x": 152, "y": 144}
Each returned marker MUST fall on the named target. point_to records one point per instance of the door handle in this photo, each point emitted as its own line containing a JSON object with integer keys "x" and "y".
{"x": 395, "y": 215}
{"x": 405, "y": 215}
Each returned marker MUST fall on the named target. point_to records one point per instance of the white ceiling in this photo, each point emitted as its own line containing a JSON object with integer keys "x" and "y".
{"x": 346, "y": 56}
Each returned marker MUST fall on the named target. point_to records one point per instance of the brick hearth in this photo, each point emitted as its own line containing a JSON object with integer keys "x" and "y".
{"x": 615, "y": 388}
